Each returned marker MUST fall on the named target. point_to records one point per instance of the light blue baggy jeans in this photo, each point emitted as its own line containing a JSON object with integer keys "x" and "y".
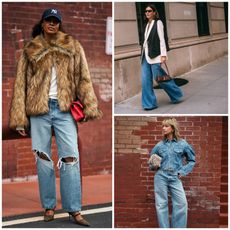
{"x": 66, "y": 139}
{"x": 164, "y": 183}
{"x": 150, "y": 72}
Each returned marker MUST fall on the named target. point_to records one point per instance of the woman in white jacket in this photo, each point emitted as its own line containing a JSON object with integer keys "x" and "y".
{"x": 154, "y": 53}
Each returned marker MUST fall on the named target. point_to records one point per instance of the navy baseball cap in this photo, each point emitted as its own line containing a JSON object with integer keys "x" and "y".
{"x": 51, "y": 13}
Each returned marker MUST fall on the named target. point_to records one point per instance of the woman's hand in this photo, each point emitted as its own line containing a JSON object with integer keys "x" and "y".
{"x": 179, "y": 176}
{"x": 84, "y": 120}
{"x": 22, "y": 133}
{"x": 163, "y": 59}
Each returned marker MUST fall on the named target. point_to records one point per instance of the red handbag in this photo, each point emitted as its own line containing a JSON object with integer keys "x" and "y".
{"x": 76, "y": 109}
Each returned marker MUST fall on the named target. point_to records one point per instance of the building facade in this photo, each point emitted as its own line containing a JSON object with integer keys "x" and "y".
{"x": 197, "y": 34}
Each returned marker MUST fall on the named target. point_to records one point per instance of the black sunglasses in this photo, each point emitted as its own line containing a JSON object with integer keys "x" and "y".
{"x": 149, "y": 11}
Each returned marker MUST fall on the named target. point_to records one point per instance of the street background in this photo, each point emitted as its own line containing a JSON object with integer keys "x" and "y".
{"x": 197, "y": 34}
{"x": 21, "y": 202}
{"x": 205, "y": 93}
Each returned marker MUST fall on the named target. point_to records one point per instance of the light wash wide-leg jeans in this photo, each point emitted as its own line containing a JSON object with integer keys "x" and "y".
{"x": 66, "y": 138}
{"x": 165, "y": 182}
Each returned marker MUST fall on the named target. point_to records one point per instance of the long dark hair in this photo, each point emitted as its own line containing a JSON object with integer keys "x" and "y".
{"x": 37, "y": 29}
{"x": 154, "y": 10}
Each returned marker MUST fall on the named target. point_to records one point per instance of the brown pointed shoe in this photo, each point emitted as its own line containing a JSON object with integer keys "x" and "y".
{"x": 79, "y": 219}
{"x": 49, "y": 215}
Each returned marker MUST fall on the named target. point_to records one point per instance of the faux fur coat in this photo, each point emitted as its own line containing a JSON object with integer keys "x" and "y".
{"x": 32, "y": 84}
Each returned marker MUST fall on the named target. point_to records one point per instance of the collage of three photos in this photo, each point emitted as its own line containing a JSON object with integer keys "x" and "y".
{"x": 114, "y": 114}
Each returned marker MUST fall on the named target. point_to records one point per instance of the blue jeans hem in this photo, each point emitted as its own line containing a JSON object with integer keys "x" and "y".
{"x": 155, "y": 107}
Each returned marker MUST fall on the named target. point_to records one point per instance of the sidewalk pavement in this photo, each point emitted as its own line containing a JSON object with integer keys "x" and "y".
{"x": 23, "y": 197}
{"x": 206, "y": 93}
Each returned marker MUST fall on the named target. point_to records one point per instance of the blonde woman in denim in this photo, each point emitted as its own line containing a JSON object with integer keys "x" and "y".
{"x": 52, "y": 72}
{"x": 172, "y": 149}
{"x": 154, "y": 53}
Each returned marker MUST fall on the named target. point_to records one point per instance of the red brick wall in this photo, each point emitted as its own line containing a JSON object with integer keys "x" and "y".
{"x": 86, "y": 22}
{"x": 134, "y": 190}
{"x": 224, "y": 178}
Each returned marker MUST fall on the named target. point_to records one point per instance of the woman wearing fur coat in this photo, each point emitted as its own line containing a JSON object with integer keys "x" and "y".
{"x": 51, "y": 73}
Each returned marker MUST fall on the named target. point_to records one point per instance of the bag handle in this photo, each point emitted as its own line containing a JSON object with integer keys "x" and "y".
{"x": 167, "y": 68}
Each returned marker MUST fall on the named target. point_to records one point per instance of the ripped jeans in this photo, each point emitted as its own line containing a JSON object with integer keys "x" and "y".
{"x": 66, "y": 139}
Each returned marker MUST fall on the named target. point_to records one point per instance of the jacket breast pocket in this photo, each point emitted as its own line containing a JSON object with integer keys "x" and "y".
{"x": 163, "y": 151}
{"x": 178, "y": 151}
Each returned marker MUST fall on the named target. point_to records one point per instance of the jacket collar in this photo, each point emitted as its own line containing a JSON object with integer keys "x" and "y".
{"x": 167, "y": 140}
{"x": 39, "y": 47}
{"x": 148, "y": 29}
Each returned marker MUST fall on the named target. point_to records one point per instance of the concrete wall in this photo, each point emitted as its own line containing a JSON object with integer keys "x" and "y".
{"x": 127, "y": 77}
{"x": 181, "y": 20}
{"x": 188, "y": 50}
{"x": 127, "y": 70}
{"x": 126, "y": 24}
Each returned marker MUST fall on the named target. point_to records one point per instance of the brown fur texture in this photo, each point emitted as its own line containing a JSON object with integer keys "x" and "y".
{"x": 32, "y": 84}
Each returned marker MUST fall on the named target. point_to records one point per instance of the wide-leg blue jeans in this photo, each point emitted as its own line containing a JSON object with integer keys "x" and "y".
{"x": 164, "y": 183}
{"x": 66, "y": 139}
{"x": 150, "y": 72}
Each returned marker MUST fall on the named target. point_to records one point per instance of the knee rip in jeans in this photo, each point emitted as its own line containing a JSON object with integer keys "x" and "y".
{"x": 42, "y": 155}
{"x": 71, "y": 160}
{"x": 44, "y": 159}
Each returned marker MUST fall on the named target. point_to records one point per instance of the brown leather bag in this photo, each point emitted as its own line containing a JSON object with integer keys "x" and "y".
{"x": 164, "y": 78}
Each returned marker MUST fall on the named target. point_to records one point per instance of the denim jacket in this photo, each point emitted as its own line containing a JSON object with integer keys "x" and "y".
{"x": 173, "y": 154}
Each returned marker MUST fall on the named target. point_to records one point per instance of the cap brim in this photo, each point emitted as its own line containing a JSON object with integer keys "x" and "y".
{"x": 51, "y": 15}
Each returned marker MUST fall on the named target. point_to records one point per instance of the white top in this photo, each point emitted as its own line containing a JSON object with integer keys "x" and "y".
{"x": 160, "y": 31}
{"x": 53, "y": 84}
